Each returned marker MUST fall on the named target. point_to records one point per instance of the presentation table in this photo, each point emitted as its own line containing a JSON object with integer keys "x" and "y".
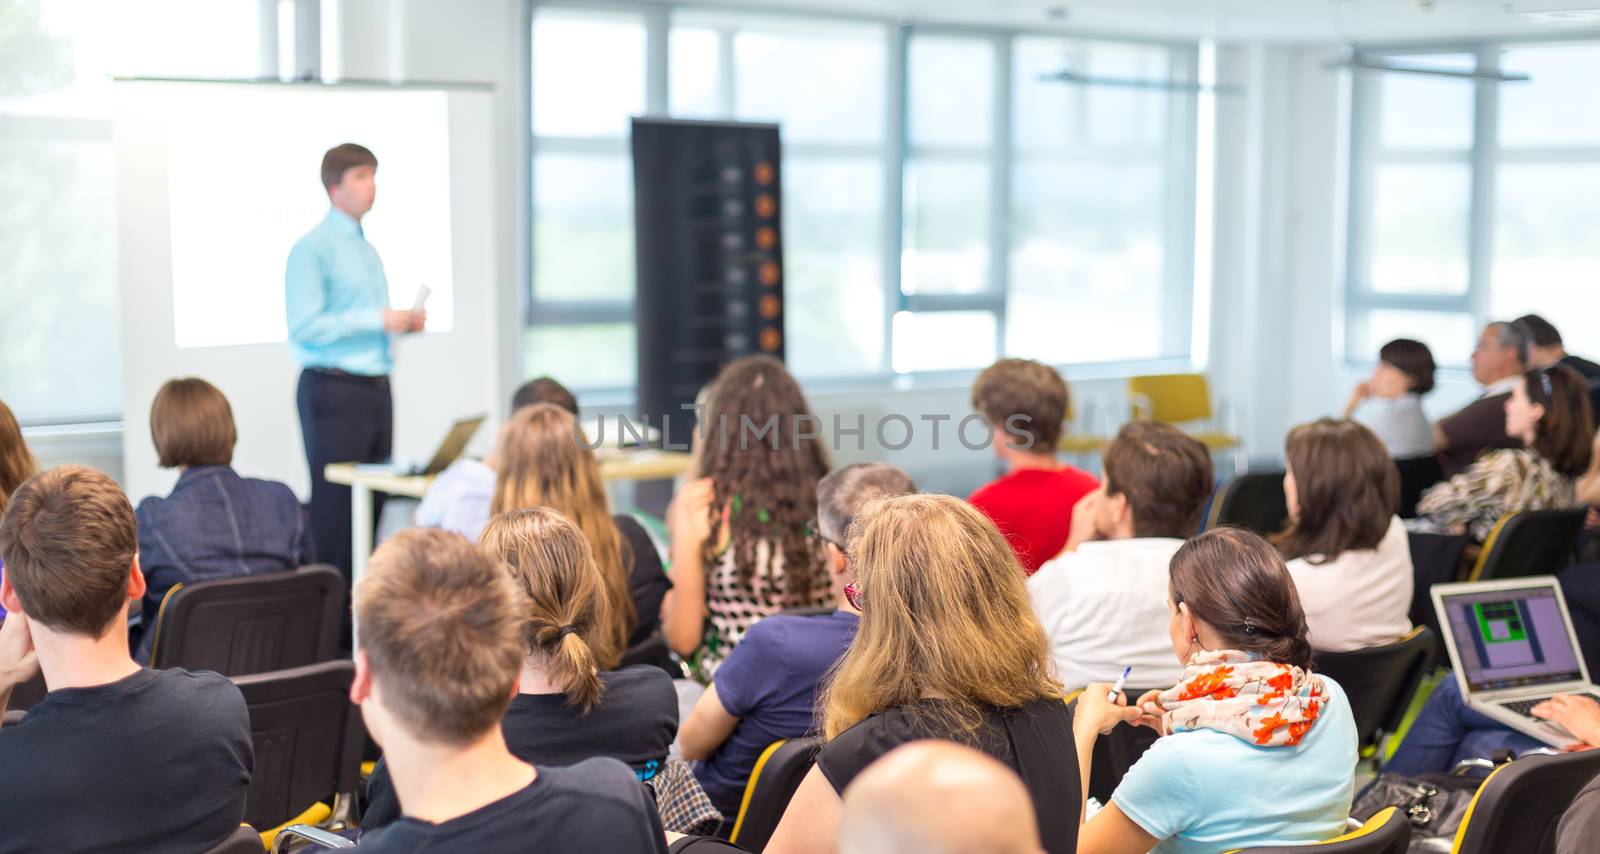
{"x": 615, "y": 465}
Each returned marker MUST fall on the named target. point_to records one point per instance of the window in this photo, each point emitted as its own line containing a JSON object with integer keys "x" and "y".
{"x": 943, "y": 203}
{"x": 1456, "y": 220}
{"x": 58, "y": 249}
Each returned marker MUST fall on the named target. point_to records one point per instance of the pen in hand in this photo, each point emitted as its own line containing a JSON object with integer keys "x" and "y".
{"x": 1121, "y": 681}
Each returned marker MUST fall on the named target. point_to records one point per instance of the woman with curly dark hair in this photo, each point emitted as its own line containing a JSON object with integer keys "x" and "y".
{"x": 742, "y": 539}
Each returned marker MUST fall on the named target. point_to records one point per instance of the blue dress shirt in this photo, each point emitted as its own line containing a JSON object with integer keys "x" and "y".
{"x": 335, "y": 294}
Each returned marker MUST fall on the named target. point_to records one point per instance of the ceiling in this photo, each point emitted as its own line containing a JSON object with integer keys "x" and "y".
{"x": 1273, "y": 20}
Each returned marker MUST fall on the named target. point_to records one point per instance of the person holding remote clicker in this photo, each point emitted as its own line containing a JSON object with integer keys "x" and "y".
{"x": 336, "y": 301}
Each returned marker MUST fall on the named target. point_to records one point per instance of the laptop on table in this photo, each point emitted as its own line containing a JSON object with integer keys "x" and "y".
{"x": 455, "y": 442}
{"x": 1512, "y": 646}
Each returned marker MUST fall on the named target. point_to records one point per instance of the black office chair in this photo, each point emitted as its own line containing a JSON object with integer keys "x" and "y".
{"x": 308, "y": 738}
{"x": 653, "y": 651}
{"x": 1253, "y": 501}
{"x": 251, "y": 623}
{"x": 1518, "y": 807}
{"x": 1435, "y": 559}
{"x": 1116, "y": 752}
{"x": 1532, "y": 542}
{"x": 26, "y": 695}
{"x": 1379, "y": 681}
{"x": 773, "y": 782}
{"x": 1416, "y": 475}
{"x": 1387, "y": 832}
{"x": 243, "y": 840}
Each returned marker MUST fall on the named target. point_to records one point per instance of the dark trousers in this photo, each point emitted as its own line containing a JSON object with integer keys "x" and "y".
{"x": 343, "y": 418}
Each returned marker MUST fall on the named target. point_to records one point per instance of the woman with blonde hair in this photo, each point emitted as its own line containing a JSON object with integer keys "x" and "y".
{"x": 948, "y": 648}
{"x": 543, "y": 460}
{"x": 743, "y": 542}
{"x": 567, "y": 708}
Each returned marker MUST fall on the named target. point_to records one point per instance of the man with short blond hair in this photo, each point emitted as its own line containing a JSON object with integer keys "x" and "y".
{"x": 116, "y": 757}
{"x": 440, "y": 654}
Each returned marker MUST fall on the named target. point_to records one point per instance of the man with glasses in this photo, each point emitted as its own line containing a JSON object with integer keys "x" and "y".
{"x": 767, "y": 688}
{"x": 1499, "y": 359}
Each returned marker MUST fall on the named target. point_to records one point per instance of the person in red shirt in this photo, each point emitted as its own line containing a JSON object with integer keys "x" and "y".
{"x": 1025, "y": 403}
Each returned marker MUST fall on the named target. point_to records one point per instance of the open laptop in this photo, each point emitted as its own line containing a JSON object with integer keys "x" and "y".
{"x": 1512, "y": 646}
{"x": 449, "y": 450}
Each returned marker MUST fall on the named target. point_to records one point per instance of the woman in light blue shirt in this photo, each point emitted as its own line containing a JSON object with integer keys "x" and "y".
{"x": 1255, "y": 748}
{"x": 1390, "y": 403}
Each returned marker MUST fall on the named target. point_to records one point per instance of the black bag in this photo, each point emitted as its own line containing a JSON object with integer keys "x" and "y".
{"x": 1435, "y": 810}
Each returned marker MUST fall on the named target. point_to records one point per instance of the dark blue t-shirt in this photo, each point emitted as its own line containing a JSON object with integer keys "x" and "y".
{"x": 769, "y": 683}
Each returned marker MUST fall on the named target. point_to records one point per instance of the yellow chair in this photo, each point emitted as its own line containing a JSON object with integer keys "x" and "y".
{"x": 1182, "y": 399}
{"x": 1519, "y": 805}
{"x": 1078, "y": 443}
{"x": 1529, "y": 542}
{"x": 1387, "y": 832}
{"x": 772, "y": 783}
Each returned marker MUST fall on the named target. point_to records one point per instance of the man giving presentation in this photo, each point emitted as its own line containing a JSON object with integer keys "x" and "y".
{"x": 340, "y": 324}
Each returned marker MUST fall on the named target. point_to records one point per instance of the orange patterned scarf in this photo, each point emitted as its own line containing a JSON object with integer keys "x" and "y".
{"x": 1262, "y": 702}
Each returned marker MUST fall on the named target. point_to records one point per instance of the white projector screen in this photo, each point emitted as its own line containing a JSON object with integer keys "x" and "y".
{"x": 216, "y": 181}
{"x": 243, "y": 186}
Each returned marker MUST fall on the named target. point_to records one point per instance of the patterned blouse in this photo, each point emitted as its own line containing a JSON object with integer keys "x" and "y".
{"x": 1500, "y": 482}
{"x": 735, "y": 607}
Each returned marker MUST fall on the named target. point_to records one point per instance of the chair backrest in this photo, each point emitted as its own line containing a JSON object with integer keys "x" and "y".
{"x": 27, "y": 694}
{"x": 251, "y": 623}
{"x": 243, "y": 840}
{"x": 1173, "y": 398}
{"x": 776, "y": 776}
{"x": 1532, "y": 542}
{"x": 1380, "y": 680}
{"x": 308, "y": 739}
{"x": 1435, "y": 559}
{"x": 1518, "y": 807}
{"x": 1387, "y": 832}
{"x": 652, "y": 651}
{"x": 1416, "y": 475}
{"x": 1253, "y": 501}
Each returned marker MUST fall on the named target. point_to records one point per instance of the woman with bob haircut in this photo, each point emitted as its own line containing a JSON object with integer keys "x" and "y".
{"x": 1255, "y": 748}
{"x": 214, "y": 523}
{"x": 1347, "y": 551}
{"x": 1390, "y": 401}
{"x": 948, "y": 648}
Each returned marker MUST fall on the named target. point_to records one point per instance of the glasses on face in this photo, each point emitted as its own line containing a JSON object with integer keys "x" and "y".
{"x": 852, "y": 594}
{"x": 816, "y": 531}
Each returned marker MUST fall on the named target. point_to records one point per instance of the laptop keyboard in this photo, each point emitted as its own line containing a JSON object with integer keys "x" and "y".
{"x": 1525, "y": 707}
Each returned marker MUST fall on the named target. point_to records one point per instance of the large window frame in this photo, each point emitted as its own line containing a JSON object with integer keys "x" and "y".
{"x": 1179, "y": 212}
{"x": 1483, "y": 158}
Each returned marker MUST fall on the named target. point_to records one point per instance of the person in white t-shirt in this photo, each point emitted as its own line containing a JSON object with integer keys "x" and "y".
{"x": 1345, "y": 547}
{"x": 1103, "y": 600}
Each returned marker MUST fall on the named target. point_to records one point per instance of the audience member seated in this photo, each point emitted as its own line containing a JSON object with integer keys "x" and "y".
{"x": 1448, "y": 731}
{"x": 458, "y": 499}
{"x": 445, "y": 635}
{"x": 544, "y": 461}
{"x": 214, "y": 524}
{"x": 1025, "y": 403}
{"x": 1580, "y": 824}
{"x": 742, "y": 548}
{"x": 936, "y": 797}
{"x": 565, "y": 710}
{"x": 1103, "y": 602}
{"x": 1390, "y": 401}
{"x": 1346, "y": 549}
{"x": 16, "y": 464}
{"x": 767, "y": 688}
{"x": 116, "y": 757}
{"x": 1539, "y": 475}
{"x": 1547, "y": 350}
{"x": 1500, "y": 357}
{"x": 948, "y": 648}
{"x": 1255, "y": 749}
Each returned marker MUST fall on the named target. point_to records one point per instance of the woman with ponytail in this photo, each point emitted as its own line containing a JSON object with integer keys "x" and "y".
{"x": 567, "y": 709}
{"x": 1256, "y": 749}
